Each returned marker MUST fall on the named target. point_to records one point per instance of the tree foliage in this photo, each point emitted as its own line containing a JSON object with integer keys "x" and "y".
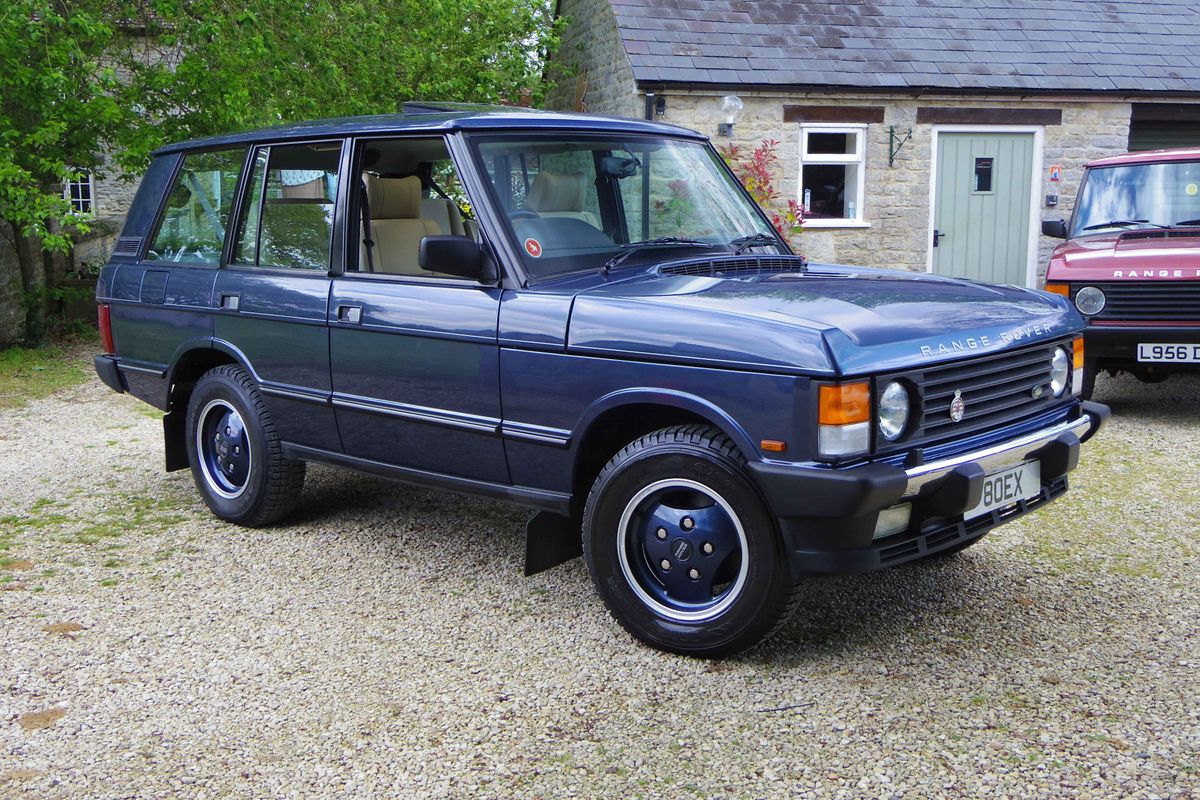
{"x": 58, "y": 107}
{"x": 210, "y": 66}
{"x": 85, "y": 79}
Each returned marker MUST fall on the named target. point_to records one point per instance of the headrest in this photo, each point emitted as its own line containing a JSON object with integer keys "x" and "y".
{"x": 554, "y": 192}
{"x": 394, "y": 198}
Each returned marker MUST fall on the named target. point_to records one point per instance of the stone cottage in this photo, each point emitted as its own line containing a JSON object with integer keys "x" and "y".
{"x": 931, "y": 136}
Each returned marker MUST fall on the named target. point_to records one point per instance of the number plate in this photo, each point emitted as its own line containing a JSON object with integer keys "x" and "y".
{"x": 1171, "y": 353}
{"x": 1007, "y": 486}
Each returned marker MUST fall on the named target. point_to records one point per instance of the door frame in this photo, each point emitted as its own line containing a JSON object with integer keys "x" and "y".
{"x": 1039, "y": 136}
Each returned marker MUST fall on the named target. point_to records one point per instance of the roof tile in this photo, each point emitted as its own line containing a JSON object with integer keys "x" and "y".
{"x": 1054, "y": 45}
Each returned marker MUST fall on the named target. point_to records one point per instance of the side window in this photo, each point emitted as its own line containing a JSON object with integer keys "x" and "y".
{"x": 287, "y": 220}
{"x": 192, "y": 230}
{"x": 407, "y": 189}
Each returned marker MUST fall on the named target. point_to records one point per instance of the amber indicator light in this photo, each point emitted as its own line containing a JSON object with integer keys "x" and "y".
{"x": 772, "y": 446}
{"x": 845, "y": 403}
{"x": 1059, "y": 288}
{"x": 1077, "y": 352}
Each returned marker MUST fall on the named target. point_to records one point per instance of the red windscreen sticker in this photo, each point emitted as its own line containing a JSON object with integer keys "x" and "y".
{"x": 533, "y": 247}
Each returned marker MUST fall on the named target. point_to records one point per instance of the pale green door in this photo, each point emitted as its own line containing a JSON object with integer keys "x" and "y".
{"x": 981, "y": 206}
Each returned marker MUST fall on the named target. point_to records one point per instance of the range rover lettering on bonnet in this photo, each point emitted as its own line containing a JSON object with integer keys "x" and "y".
{"x": 977, "y": 342}
{"x": 533, "y": 307}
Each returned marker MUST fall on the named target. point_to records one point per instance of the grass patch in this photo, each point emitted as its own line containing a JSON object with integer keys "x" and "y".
{"x": 28, "y": 373}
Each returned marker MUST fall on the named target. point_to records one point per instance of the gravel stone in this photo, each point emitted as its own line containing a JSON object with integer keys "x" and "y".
{"x": 383, "y": 643}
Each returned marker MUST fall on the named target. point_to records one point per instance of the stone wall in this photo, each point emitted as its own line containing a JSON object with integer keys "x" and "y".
{"x": 896, "y": 202}
{"x": 591, "y": 52}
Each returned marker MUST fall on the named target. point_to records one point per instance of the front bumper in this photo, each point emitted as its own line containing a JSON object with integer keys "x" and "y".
{"x": 828, "y": 516}
{"x": 1117, "y": 344}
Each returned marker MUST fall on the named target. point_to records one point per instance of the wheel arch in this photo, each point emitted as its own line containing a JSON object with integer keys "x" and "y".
{"x": 191, "y": 362}
{"x": 619, "y": 418}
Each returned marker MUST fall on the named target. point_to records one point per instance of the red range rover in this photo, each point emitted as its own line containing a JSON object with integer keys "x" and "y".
{"x": 1131, "y": 264}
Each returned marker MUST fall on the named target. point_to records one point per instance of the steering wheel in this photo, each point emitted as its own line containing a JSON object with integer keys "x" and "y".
{"x": 523, "y": 213}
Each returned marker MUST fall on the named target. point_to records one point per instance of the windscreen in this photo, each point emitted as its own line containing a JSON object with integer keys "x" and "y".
{"x": 1139, "y": 196}
{"x": 576, "y": 204}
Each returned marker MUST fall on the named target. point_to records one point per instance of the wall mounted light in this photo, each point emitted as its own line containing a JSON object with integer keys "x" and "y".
{"x": 731, "y": 110}
{"x": 660, "y": 106}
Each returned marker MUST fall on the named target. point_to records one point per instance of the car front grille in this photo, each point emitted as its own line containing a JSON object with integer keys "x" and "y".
{"x": 996, "y": 390}
{"x": 1169, "y": 301}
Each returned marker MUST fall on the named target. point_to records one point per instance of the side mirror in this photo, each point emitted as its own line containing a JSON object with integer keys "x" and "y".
{"x": 460, "y": 256}
{"x": 1054, "y": 228}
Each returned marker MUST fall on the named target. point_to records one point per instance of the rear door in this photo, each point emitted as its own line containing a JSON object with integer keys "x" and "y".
{"x": 272, "y": 298}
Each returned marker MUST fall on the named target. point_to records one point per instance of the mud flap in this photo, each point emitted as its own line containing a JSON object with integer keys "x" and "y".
{"x": 550, "y": 540}
{"x": 175, "y": 441}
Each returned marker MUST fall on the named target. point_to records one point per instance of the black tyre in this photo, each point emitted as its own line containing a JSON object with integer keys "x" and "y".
{"x": 236, "y": 458}
{"x": 681, "y": 547}
{"x": 1090, "y": 368}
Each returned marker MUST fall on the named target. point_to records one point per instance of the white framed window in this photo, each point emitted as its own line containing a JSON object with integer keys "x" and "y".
{"x": 832, "y": 175}
{"x": 79, "y": 192}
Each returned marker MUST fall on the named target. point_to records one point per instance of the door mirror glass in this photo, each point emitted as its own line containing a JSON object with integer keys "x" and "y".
{"x": 456, "y": 256}
{"x": 1054, "y": 228}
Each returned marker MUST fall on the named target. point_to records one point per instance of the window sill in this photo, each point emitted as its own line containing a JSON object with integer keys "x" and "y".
{"x": 834, "y": 223}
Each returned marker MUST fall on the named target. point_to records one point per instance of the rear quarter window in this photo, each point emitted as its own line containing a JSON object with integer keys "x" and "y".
{"x": 196, "y": 214}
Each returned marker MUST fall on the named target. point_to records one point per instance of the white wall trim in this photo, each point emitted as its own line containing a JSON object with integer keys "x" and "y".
{"x": 1035, "y": 223}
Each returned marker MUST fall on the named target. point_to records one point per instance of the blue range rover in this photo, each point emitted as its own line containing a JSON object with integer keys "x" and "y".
{"x": 589, "y": 317}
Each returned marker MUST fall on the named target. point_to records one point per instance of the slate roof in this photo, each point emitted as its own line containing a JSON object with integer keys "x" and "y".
{"x": 1036, "y": 45}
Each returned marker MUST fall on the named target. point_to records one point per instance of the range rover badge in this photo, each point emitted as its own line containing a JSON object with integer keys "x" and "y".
{"x": 958, "y": 407}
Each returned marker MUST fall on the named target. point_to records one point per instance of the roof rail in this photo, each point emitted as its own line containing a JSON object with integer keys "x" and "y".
{"x": 415, "y": 107}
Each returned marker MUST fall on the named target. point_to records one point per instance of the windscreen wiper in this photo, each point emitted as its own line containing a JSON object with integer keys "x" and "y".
{"x": 743, "y": 243}
{"x": 1187, "y": 223}
{"x": 662, "y": 241}
{"x": 1117, "y": 223}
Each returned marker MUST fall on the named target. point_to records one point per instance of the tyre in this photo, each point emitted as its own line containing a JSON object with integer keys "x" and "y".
{"x": 681, "y": 547}
{"x": 235, "y": 454}
{"x": 1090, "y": 368}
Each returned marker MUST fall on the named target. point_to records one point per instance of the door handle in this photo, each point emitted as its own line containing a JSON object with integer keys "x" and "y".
{"x": 939, "y": 235}
{"x": 349, "y": 314}
{"x": 230, "y": 302}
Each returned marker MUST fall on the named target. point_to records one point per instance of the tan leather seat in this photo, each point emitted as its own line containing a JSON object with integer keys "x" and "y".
{"x": 397, "y": 226}
{"x": 559, "y": 195}
{"x": 445, "y": 213}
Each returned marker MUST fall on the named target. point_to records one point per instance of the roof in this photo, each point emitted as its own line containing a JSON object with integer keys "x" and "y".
{"x": 1029, "y": 45}
{"x": 433, "y": 118}
{"x": 1148, "y": 157}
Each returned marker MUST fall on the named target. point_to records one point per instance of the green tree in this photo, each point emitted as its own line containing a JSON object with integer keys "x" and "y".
{"x": 74, "y": 87}
{"x": 211, "y": 66}
{"x": 57, "y": 108}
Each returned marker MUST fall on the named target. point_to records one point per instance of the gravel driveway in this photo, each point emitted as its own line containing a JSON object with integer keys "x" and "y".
{"x": 385, "y": 644}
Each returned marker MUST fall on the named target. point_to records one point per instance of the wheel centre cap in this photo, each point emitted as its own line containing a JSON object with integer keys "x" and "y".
{"x": 681, "y": 549}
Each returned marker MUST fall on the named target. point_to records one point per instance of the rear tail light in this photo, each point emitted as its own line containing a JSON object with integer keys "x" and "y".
{"x": 844, "y": 419}
{"x": 1077, "y": 365}
{"x": 105, "y": 320}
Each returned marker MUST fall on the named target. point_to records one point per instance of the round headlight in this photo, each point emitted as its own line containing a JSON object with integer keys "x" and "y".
{"x": 1060, "y": 371}
{"x": 1089, "y": 300}
{"x": 893, "y": 411}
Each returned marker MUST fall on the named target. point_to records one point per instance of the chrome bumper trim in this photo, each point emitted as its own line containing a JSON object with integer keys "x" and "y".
{"x": 998, "y": 455}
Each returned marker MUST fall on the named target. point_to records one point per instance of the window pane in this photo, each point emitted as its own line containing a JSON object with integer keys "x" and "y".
{"x": 830, "y": 191}
{"x": 288, "y": 218}
{"x": 193, "y": 226}
{"x": 982, "y": 181}
{"x": 832, "y": 143}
